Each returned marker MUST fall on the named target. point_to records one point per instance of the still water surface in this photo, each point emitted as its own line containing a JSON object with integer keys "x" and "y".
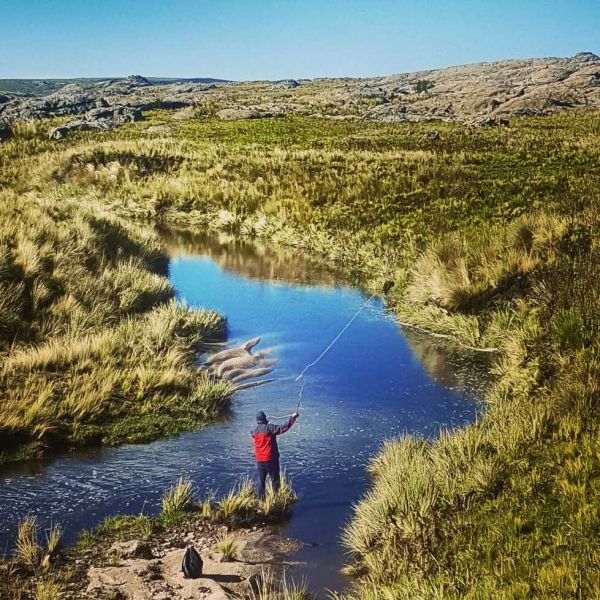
{"x": 376, "y": 383}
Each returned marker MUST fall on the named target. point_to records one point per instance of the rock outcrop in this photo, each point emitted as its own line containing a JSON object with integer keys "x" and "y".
{"x": 251, "y": 112}
{"x": 101, "y": 119}
{"x": 285, "y": 84}
{"x": 501, "y": 89}
{"x": 482, "y": 93}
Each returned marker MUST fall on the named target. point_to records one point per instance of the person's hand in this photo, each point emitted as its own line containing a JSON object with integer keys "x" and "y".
{"x": 295, "y": 415}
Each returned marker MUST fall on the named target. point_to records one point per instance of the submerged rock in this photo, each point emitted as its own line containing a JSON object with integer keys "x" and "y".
{"x": 237, "y": 365}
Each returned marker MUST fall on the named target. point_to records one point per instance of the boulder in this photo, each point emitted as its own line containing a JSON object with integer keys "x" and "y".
{"x": 100, "y": 119}
{"x": 187, "y": 114}
{"x": 167, "y": 103}
{"x": 493, "y": 122}
{"x": 118, "y": 114}
{"x": 58, "y": 133}
{"x": 131, "y": 549}
{"x": 586, "y": 57}
{"x": 237, "y": 114}
{"x": 286, "y": 84}
{"x": 432, "y": 136}
{"x": 138, "y": 80}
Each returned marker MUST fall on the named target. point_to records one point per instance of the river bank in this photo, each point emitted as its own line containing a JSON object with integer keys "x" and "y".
{"x": 141, "y": 556}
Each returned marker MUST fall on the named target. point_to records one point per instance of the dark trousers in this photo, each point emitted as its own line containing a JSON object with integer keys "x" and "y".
{"x": 270, "y": 468}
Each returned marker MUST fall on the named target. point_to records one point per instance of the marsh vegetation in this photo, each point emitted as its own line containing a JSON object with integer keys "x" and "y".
{"x": 491, "y": 237}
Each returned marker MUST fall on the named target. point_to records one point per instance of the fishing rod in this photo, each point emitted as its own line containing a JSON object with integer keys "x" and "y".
{"x": 387, "y": 286}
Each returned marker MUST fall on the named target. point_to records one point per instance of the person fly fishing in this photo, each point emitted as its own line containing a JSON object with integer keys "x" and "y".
{"x": 265, "y": 434}
{"x": 266, "y": 451}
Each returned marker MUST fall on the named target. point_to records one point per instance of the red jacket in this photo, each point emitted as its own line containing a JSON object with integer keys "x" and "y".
{"x": 265, "y": 439}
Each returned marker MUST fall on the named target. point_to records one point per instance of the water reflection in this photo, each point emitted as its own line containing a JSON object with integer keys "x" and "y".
{"x": 256, "y": 259}
{"x": 455, "y": 369}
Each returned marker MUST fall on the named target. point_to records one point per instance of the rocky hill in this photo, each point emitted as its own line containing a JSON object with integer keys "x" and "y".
{"x": 485, "y": 93}
{"x": 43, "y": 87}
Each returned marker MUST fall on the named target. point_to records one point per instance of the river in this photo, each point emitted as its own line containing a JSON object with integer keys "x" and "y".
{"x": 377, "y": 382}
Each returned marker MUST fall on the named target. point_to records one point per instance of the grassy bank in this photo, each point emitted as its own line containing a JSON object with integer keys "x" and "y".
{"x": 93, "y": 347}
{"x": 491, "y": 238}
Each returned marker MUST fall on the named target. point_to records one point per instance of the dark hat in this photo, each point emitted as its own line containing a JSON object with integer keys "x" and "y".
{"x": 261, "y": 417}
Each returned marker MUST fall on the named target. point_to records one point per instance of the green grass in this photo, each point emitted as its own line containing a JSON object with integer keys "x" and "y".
{"x": 28, "y": 551}
{"x": 93, "y": 348}
{"x": 490, "y": 235}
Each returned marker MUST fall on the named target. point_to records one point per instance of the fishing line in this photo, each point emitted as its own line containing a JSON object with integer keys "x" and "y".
{"x": 335, "y": 339}
{"x": 386, "y": 288}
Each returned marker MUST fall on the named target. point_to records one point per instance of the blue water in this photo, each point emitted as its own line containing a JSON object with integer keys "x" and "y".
{"x": 374, "y": 384}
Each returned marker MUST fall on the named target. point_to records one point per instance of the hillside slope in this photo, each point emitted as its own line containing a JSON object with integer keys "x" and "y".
{"x": 468, "y": 93}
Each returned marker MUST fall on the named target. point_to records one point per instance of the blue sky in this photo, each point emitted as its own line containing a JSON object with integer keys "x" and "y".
{"x": 272, "y": 39}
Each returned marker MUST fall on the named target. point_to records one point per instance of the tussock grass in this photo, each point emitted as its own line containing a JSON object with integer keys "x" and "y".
{"x": 280, "y": 502}
{"x": 267, "y": 587}
{"x": 28, "y": 551}
{"x": 178, "y": 498}
{"x": 446, "y": 513}
{"x": 228, "y": 547}
{"x": 241, "y": 506}
{"x": 90, "y": 335}
{"x": 46, "y": 590}
{"x": 53, "y": 538}
{"x": 130, "y": 382}
{"x": 238, "y": 504}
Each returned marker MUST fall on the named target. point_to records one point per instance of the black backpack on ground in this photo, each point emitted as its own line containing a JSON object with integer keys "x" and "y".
{"x": 191, "y": 565}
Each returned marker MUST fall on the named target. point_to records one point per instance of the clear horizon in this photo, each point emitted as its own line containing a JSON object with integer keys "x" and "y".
{"x": 270, "y": 39}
